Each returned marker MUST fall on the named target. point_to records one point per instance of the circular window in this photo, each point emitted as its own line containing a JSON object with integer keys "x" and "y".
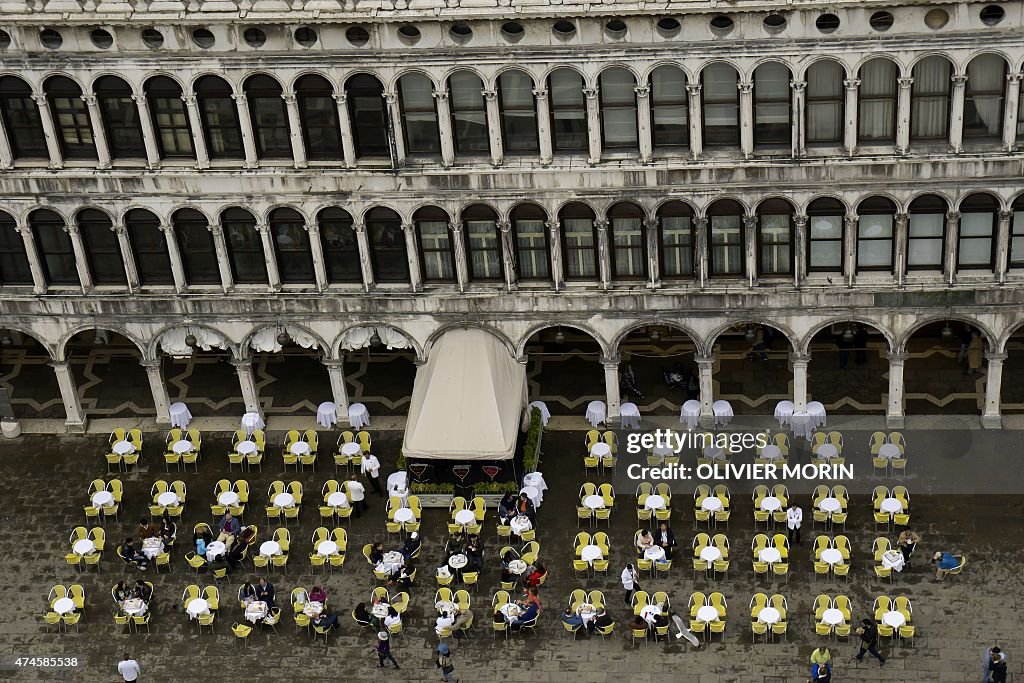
{"x": 774, "y": 23}
{"x": 461, "y": 32}
{"x": 564, "y": 29}
{"x": 5, "y": 39}
{"x": 827, "y": 23}
{"x": 409, "y": 33}
{"x": 305, "y": 36}
{"x": 881, "y": 21}
{"x": 936, "y": 19}
{"x": 616, "y": 28}
{"x": 357, "y": 35}
{"x": 203, "y": 38}
{"x": 668, "y": 25}
{"x": 721, "y": 23}
{"x": 50, "y": 38}
{"x": 101, "y": 38}
{"x": 512, "y": 31}
{"x": 254, "y": 37}
{"x": 152, "y": 38}
{"x": 992, "y": 15}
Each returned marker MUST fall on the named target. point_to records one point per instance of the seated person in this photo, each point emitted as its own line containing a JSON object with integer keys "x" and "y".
{"x": 325, "y": 620}
{"x": 666, "y": 539}
{"x": 602, "y": 620}
{"x": 507, "y": 508}
{"x": 360, "y": 614}
{"x": 906, "y": 543}
{"x": 202, "y": 534}
{"x": 455, "y": 545}
{"x": 265, "y": 592}
{"x": 403, "y": 577}
{"x": 658, "y": 621}
{"x": 570, "y": 618}
{"x": 229, "y": 529}
{"x": 524, "y": 506}
{"x": 528, "y": 615}
{"x": 463, "y": 620}
{"x": 638, "y": 623}
{"x": 377, "y": 552}
{"x": 130, "y": 554}
{"x": 247, "y": 593}
{"x": 392, "y": 618}
{"x": 318, "y": 594}
{"x": 530, "y": 596}
{"x": 943, "y": 562}
{"x": 235, "y": 556}
{"x": 645, "y": 541}
{"x": 411, "y": 545}
{"x": 536, "y": 575}
{"x": 445, "y": 620}
{"x": 142, "y": 590}
{"x": 146, "y": 529}
{"x": 167, "y": 531}
{"x": 122, "y": 592}
{"x": 475, "y": 555}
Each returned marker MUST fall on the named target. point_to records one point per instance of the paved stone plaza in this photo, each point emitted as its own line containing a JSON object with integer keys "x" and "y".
{"x": 46, "y": 478}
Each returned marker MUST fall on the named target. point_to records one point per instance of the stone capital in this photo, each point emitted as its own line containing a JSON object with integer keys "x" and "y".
{"x": 289, "y": 98}
{"x": 262, "y": 228}
{"x": 897, "y": 358}
{"x": 358, "y": 227}
{"x": 745, "y": 87}
{"x": 693, "y": 89}
{"x": 993, "y": 357}
{"x": 905, "y": 81}
{"x": 1005, "y": 215}
{"x": 642, "y": 91}
{"x": 71, "y": 229}
{"x": 489, "y": 94}
{"x": 455, "y": 227}
{"x": 89, "y": 99}
{"x": 140, "y": 100}
{"x": 409, "y": 228}
{"x": 390, "y": 96}
{"x": 118, "y": 229}
{"x": 590, "y": 92}
{"x": 240, "y": 98}
{"x": 700, "y": 223}
{"x": 610, "y": 361}
{"x": 504, "y": 226}
{"x": 958, "y": 79}
{"x": 311, "y": 228}
{"x": 216, "y": 229}
{"x": 540, "y": 93}
{"x": 1014, "y": 77}
{"x": 601, "y": 224}
{"x": 440, "y": 94}
{"x": 852, "y": 83}
{"x": 340, "y": 97}
{"x": 800, "y": 221}
{"x": 749, "y": 222}
{"x": 189, "y": 100}
{"x": 953, "y": 216}
{"x": 40, "y": 98}
{"x": 241, "y": 364}
{"x": 798, "y": 86}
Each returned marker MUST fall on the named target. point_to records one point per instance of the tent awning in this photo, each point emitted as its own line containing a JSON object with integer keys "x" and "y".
{"x": 467, "y": 401}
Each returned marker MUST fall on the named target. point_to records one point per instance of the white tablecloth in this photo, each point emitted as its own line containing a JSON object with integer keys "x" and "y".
{"x": 596, "y": 413}
{"x": 284, "y": 500}
{"x": 536, "y": 480}
{"x": 251, "y": 422}
{"x": 723, "y": 412}
{"x": 246, "y": 447}
{"x": 654, "y": 553}
{"x": 167, "y": 499}
{"x": 893, "y": 559}
{"x": 648, "y": 612}
{"x": 511, "y": 611}
{"x": 690, "y": 414}
{"x": 545, "y": 414}
{"x": 661, "y": 450}
{"x": 827, "y": 451}
{"x": 711, "y": 504}
{"x": 714, "y": 453}
{"x": 228, "y": 498}
{"x": 771, "y": 452}
{"x": 891, "y": 505}
{"x": 831, "y": 556}
{"x": 101, "y": 498}
{"x": 83, "y": 546}
{"x": 351, "y": 448}
{"x": 63, "y": 605}
{"x": 594, "y": 501}
{"x": 180, "y": 415}
{"x": 123, "y": 448}
{"x": 517, "y": 567}
{"x": 458, "y": 561}
{"x": 197, "y": 606}
{"x": 215, "y": 550}
{"x": 710, "y": 553}
{"x": 270, "y": 548}
{"x": 894, "y": 619}
{"x": 326, "y": 548}
{"x": 817, "y": 412}
{"x": 630, "y": 415}
{"x": 403, "y": 515}
{"x": 707, "y": 613}
{"x": 255, "y": 611}
{"x": 133, "y": 607}
{"x": 801, "y": 425}
{"x": 151, "y": 547}
{"x": 769, "y": 615}
{"x": 327, "y": 414}
{"x": 771, "y": 504}
{"x": 769, "y": 555}
{"x": 392, "y": 562}
{"x": 832, "y": 617}
{"x": 182, "y": 447}
{"x": 520, "y": 524}
{"x": 299, "y": 448}
{"x": 465, "y": 517}
{"x": 358, "y": 416}
{"x": 312, "y": 608}
{"x": 398, "y": 485}
{"x": 654, "y": 502}
{"x": 534, "y": 494}
{"x": 889, "y": 451}
{"x": 589, "y": 553}
{"x": 783, "y": 412}
{"x": 601, "y": 450}
{"x": 830, "y": 505}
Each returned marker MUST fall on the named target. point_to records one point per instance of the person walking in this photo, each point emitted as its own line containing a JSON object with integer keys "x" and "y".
{"x": 128, "y": 668}
{"x": 629, "y": 582}
{"x": 383, "y": 649}
{"x": 794, "y": 517}
{"x": 371, "y": 470}
{"x": 444, "y": 663}
{"x": 987, "y": 658}
{"x": 356, "y": 495}
{"x": 868, "y": 633}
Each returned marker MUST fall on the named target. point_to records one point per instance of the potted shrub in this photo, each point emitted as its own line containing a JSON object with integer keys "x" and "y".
{"x": 433, "y": 495}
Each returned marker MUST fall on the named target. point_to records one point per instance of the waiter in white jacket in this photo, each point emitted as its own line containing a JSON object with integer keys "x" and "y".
{"x": 794, "y": 517}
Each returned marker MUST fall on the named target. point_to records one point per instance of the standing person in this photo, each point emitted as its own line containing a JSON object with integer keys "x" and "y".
{"x": 383, "y": 649}
{"x": 371, "y": 470}
{"x": 868, "y": 633}
{"x": 759, "y": 348}
{"x": 444, "y": 663}
{"x": 844, "y": 347}
{"x": 356, "y": 495}
{"x": 629, "y": 583}
{"x": 975, "y": 352}
{"x": 986, "y": 662}
{"x": 794, "y": 518}
{"x": 128, "y": 668}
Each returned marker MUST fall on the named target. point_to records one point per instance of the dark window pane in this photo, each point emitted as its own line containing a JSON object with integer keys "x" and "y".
{"x": 532, "y": 248}
{"x": 518, "y": 115}
{"x": 340, "y": 246}
{"x": 419, "y": 117}
{"x": 105, "y": 261}
{"x": 245, "y": 247}
{"x": 436, "y": 249}
{"x": 618, "y": 109}
{"x": 120, "y": 118}
{"x": 149, "y": 246}
{"x": 669, "y": 107}
{"x": 269, "y": 118}
{"x": 220, "y": 119}
{"x": 294, "y": 258}
{"x": 484, "y": 245}
{"x": 198, "y": 254}
{"x": 771, "y": 104}
{"x": 568, "y": 111}
{"x": 727, "y": 256}
{"x": 319, "y": 114}
{"x": 170, "y": 118}
{"x": 55, "y": 248}
{"x": 14, "y": 268}
{"x": 387, "y": 244}
{"x": 21, "y": 119}
{"x": 876, "y": 101}
{"x": 469, "y": 113}
{"x": 676, "y": 246}
{"x": 366, "y": 108}
{"x": 721, "y": 105}
{"x": 71, "y": 118}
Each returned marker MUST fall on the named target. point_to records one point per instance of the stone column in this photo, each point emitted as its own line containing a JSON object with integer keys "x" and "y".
{"x": 850, "y": 119}
{"x": 365, "y": 260}
{"x": 81, "y": 257}
{"x": 49, "y": 131}
{"x": 900, "y": 238}
{"x": 247, "y": 382}
{"x": 295, "y": 130}
{"x": 750, "y": 244}
{"x": 799, "y": 250}
{"x": 798, "y": 133}
{"x": 952, "y": 246}
{"x": 700, "y": 255}
{"x": 604, "y": 253}
{"x": 494, "y": 125}
{"x": 444, "y": 128}
{"x": 508, "y": 255}
{"x": 991, "y": 417}
{"x": 653, "y": 264}
{"x": 1003, "y": 245}
{"x": 894, "y": 418}
{"x": 339, "y": 392}
{"x": 99, "y": 133}
{"x": 345, "y": 121}
{"x": 956, "y": 113}
{"x": 131, "y": 270}
{"x": 227, "y": 280}
{"x": 705, "y": 367}
{"x": 177, "y": 265}
{"x": 252, "y": 160}
{"x": 6, "y": 153}
{"x": 544, "y": 125}
{"x": 593, "y": 124}
{"x": 799, "y": 363}
{"x": 35, "y": 262}
{"x": 852, "y": 224}
{"x": 643, "y": 112}
{"x": 1010, "y": 111}
{"x": 746, "y": 118}
{"x": 75, "y": 421}
{"x": 412, "y": 254}
{"x": 316, "y": 247}
{"x": 459, "y": 247}
{"x": 694, "y": 118}
{"x": 611, "y": 387}
{"x": 555, "y": 241}
{"x": 394, "y": 111}
{"x": 903, "y": 115}
{"x": 196, "y": 123}
{"x": 148, "y": 131}
{"x": 269, "y": 257}
{"x": 154, "y": 371}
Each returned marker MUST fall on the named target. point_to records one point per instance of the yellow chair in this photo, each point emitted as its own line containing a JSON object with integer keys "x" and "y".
{"x": 71, "y": 620}
{"x": 242, "y": 631}
{"x": 822, "y": 629}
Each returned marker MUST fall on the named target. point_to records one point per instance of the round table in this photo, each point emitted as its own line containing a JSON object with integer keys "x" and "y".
{"x": 102, "y": 498}
{"x": 517, "y": 567}
{"x": 831, "y": 556}
{"x": 458, "y": 561}
{"x": 197, "y": 606}
{"x": 403, "y": 515}
{"x": 710, "y": 553}
{"x": 771, "y": 452}
{"x": 769, "y": 555}
{"x": 520, "y": 524}
{"x": 827, "y": 451}
{"x": 596, "y": 412}
{"x": 600, "y": 450}
{"x": 246, "y": 447}
{"x": 255, "y": 611}
{"x": 655, "y": 553}
{"x": 133, "y": 607}
{"x": 690, "y": 413}
{"x": 894, "y": 619}
{"x": 830, "y": 505}
{"x": 392, "y": 561}
{"x": 594, "y": 502}
{"x": 707, "y": 613}
{"x": 299, "y": 448}
{"x": 314, "y": 608}
{"x": 284, "y": 500}
{"x": 630, "y": 415}
{"x": 351, "y": 448}
{"x": 771, "y": 504}
{"x": 661, "y": 450}
{"x": 889, "y": 451}
{"x": 832, "y": 617}
{"x": 358, "y": 416}
{"x": 536, "y": 480}
{"x": 215, "y": 550}
{"x": 589, "y": 553}
{"x": 63, "y": 606}
{"x": 182, "y": 447}
{"x": 167, "y": 499}
{"x": 152, "y": 546}
{"x": 465, "y": 517}
{"x": 511, "y": 611}
{"x": 648, "y": 612}
{"x": 270, "y": 548}
{"x": 714, "y": 453}
{"x": 338, "y": 499}
{"x": 654, "y": 502}
{"x": 180, "y": 415}
{"x": 83, "y": 546}
{"x": 769, "y": 615}
{"x": 533, "y": 493}
{"x": 711, "y": 504}
{"x": 123, "y": 447}
{"x": 800, "y": 423}
{"x": 326, "y": 548}
{"x": 251, "y": 422}
{"x": 327, "y": 414}
{"x": 545, "y": 414}
{"x": 891, "y": 505}
{"x": 586, "y": 612}
{"x": 893, "y": 559}
{"x": 228, "y": 498}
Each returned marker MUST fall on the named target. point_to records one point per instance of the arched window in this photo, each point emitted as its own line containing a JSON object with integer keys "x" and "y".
{"x": 775, "y": 237}
{"x": 518, "y": 112}
{"x": 269, "y": 117}
{"x": 826, "y": 218}
{"x": 825, "y": 110}
{"x": 929, "y": 99}
{"x": 436, "y": 253}
{"x": 340, "y": 247}
{"x": 195, "y": 243}
{"x": 531, "y": 239}
{"x": 721, "y": 105}
{"x": 876, "y": 101}
{"x": 876, "y": 216}
{"x": 628, "y": 240}
{"x": 469, "y": 113}
{"x": 1017, "y": 234}
{"x": 618, "y": 109}
{"x": 387, "y": 245}
{"x": 926, "y": 230}
{"x": 220, "y": 118}
{"x": 983, "y": 100}
{"x": 669, "y": 108}
{"x": 70, "y": 118}
{"x": 245, "y": 248}
{"x": 676, "y": 240}
{"x": 318, "y": 113}
{"x": 483, "y": 242}
{"x": 149, "y": 247}
{"x": 419, "y": 115}
{"x": 979, "y": 215}
{"x": 568, "y": 111}
{"x": 772, "y": 102}
{"x": 725, "y": 219}
{"x": 14, "y": 268}
{"x": 55, "y": 248}
{"x": 291, "y": 243}
{"x": 102, "y": 250}
{"x": 120, "y": 118}
{"x": 366, "y": 109}
{"x": 579, "y": 242}
{"x": 170, "y": 119}
{"x": 21, "y": 119}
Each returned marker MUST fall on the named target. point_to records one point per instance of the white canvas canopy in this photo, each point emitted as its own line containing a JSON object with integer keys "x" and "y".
{"x": 467, "y": 401}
